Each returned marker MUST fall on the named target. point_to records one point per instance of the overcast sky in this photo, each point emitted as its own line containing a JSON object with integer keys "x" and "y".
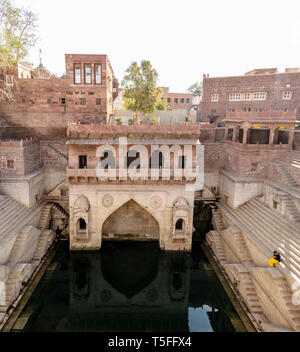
{"x": 182, "y": 38}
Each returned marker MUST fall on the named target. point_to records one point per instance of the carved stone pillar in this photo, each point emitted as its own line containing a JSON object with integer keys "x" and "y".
{"x": 291, "y": 136}
{"x": 272, "y": 135}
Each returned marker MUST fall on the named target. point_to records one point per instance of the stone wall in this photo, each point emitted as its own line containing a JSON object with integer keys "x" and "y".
{"x": 273, "y": 84}
{"x": 19, "y": 158}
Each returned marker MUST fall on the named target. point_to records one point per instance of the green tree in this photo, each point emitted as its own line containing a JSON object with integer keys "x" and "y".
{"x": 141, "y": 93}
{"x": 17, "y": 36}
{"x": 195, "y": 89}
{"x": 161, "y": 105}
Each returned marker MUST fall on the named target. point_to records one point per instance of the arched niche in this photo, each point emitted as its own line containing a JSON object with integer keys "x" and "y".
{"x": 180, "y": 212}
{"x": 131, "y": 220}
{"x": 81, "y": 218}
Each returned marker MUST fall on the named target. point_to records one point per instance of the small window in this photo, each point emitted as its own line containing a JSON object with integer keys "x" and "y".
{"x": 253, "y": 167}
{"x": 77, "y": 74}
{"x": 176, "y": 100}
{"x": 9, "y": 80}
{"x": 82, "y": 101}
{"x": 275, "y": 204}
{"x": 215, "y": 97}
{"x": 179, "y": 225}
{"x": 235, "y": 97}
{"x": 23, "y": 100}
{"x": 260, "y": 96}
{"x": 48, "y": 101}
{"x": 181, "y": 162}
{"x": 91, "y": 93}
{"x": 169, "y": 100}
{"x": 88, "y": 74}
{"x": 98, "y": 74}
{"x": 187, "y": 100}
{"x": 82, "y": 225}
{"x": 63, "y": 192}
{"x": 247, "y": 96}
{"x": 82, "y": 161}
{"x": 182, "y": 100}
{"x": 98, "y": 101}
{"x": 63, "y": 101}
{"x": 287, "y": 95}
{"x": 10, "y": 164}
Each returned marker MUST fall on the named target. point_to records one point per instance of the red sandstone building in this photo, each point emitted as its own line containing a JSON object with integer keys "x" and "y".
{"x": 176, "y": 101}
{"x": 259, "y": 90}
{"x": 46, "y": 103}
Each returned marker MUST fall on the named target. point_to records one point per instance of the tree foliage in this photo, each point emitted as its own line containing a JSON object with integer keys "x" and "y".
{"x": 17, "y": 36}
{"x": 141, "y": 94}
{"x": 161, "y": 105}
{"x": 196, "y": 88}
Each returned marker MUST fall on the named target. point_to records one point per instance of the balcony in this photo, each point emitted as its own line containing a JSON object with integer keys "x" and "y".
{"x": 123, "y": 175}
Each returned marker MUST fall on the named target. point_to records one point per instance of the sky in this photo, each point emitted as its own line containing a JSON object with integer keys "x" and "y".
{"x": 183, "y": 39}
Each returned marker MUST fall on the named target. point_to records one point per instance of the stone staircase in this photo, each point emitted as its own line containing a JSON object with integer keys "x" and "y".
{"x": 270, "y": 231}
{"x": 57, "y": 151}
{"x": 217, "y": 220}
{"x": 286, "y": 294}
{"x": 291, "y": 208}
{"x": 18, "y": 245}
{"x": 250, "y": 295}
{"x": 289, "y": 168}
{"x": 12, "y": 213}
{"x": 45, "y": 217}
{"x": 12, "y": 286}
{"x": 46, "y": 239}
{"x": 242, "y": 249}
{"x": 56, "y": 186}
{"x": 215, "y": 242}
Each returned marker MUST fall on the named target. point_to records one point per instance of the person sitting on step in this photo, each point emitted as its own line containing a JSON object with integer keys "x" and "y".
{"x": 275, "y": 260}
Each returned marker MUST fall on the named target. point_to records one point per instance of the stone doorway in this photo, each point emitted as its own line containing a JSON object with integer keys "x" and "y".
{"x": 130, "y": 222}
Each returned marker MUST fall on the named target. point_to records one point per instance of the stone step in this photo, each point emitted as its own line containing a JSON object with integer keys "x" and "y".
{"x": 257, "y": 228}
{"x": 267, "y": 227}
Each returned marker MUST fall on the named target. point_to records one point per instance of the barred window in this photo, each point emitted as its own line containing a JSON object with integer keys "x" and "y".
{"x": 287, "y": 95}
{"x": 235, "y": 96}
{"x": 215, "y": 97}
{"x": 247, "y": 96}
{"x": 260, "y": 96}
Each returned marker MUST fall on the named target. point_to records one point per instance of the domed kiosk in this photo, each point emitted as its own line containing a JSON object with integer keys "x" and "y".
{"x": 41, "y": 72}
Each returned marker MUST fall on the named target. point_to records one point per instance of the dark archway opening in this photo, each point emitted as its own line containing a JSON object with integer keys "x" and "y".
{"x": 131, "y": 221}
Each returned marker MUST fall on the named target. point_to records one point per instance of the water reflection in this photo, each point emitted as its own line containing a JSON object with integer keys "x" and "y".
{"x": 130, "y": 286}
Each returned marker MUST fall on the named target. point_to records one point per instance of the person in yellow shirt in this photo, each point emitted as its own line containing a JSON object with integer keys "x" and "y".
{"x": 275, "y": 260}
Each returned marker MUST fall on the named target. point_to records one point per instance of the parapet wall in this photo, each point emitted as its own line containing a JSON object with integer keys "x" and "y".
{"x": 19, "y": 158}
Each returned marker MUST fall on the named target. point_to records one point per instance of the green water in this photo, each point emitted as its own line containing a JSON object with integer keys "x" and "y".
{"x": 129, "y": 287}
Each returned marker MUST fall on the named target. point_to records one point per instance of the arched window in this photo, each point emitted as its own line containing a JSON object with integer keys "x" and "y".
{"x": 81, "y": 225}
{"x": 157, "y": 160}
{"x": 179, "y": 225}
{"x": 108, "y": 160}
{"x": 130, "y": 159}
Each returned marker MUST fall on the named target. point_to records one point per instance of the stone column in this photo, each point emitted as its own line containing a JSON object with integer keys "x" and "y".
{"x": 291, "y": 136}
{"x": 246, "y": 135}
{"x": 276, "y": 132}
{"x": 226, "y": 131}
{"x": 272, "y": 134}
{"x": 236, "y": 130}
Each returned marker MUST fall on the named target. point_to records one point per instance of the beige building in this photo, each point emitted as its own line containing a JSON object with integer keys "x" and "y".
{"x": 132, "y": 203}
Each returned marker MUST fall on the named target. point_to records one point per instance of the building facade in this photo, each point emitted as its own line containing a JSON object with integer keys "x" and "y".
{"x": 136, "y": 202}
{"x": 259, "y": 90}
{"x": 177, "y": 101}
{"x": 44, "y": 104}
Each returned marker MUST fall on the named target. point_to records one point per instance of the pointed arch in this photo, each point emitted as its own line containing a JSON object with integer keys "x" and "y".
{"x": 131, "y": 220}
